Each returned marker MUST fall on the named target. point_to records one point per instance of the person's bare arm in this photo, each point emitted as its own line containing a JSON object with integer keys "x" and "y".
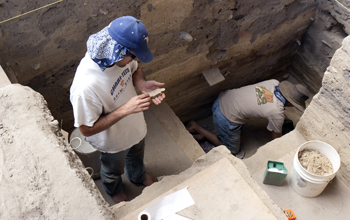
{"x": 134, "y": 105}
{"x": 138, "y": 78}
{"x": 193, "y": 127}
{"x": 276, "y": 135}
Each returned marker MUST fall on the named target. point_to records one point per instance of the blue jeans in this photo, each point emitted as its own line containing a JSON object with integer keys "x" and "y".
{"x": 112, "y": 167}
{"x": 229, "y": 133}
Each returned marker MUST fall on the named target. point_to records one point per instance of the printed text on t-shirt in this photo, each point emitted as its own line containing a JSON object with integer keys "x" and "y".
{"x": 126, "y": 71}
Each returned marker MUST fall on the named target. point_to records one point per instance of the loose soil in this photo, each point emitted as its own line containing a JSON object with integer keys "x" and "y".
{"x": 315, "y": 162}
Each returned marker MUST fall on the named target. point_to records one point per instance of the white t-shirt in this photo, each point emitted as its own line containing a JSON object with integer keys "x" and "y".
{"x": 94, "y": 93}
{"x": 253, "y": 101}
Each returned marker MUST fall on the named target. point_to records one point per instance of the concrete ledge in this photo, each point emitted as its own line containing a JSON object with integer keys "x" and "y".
{"x": 219, "y": 183}
{"x": 175, "y": 128}
{"x": 274, "y": 150}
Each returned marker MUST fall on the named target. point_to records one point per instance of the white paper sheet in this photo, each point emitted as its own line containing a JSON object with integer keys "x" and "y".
{"x": 169, "y": 205}
{"x": 176, "y": 217}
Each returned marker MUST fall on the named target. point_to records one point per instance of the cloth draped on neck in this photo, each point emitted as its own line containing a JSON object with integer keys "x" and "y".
{"x": 279, "y": 95}
{"x": 104, "y": 50}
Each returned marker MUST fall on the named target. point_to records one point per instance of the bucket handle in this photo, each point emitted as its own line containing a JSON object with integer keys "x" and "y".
{"x": 92, "y": 170}
{"x": 70, "y": 143}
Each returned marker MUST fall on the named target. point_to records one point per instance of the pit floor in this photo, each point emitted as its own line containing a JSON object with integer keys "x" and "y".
{"x": 163, "y": 156}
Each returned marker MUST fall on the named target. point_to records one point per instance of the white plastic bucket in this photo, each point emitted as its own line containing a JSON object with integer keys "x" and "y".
{"x": 308, "y": 184}
{"x": 87, "y": 154}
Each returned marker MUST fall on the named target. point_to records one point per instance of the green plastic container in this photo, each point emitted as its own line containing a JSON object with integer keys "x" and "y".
{"x": 275, "y": 173}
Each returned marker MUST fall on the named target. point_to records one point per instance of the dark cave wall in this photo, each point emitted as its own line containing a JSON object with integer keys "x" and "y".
{"x": 325, "y": 35}
{"x": 248, "y": 41}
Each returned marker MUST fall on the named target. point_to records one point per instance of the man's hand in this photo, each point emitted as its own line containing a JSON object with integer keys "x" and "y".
{"x": 143, "y": 85}
{"x": 134, "y": 105}
{"x": 137, "y": 104}
{"x": 150, "y": 86}
{"x": 158, "y": 99}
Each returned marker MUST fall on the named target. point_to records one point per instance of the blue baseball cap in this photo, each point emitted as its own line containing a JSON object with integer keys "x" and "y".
{"x": 132, "y": 34}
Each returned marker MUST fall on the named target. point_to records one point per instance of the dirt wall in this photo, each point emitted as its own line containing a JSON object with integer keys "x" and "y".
{"x": 317, "y": 47}
{"x": 248, "y": 41}
{"x": 40, "y": 175}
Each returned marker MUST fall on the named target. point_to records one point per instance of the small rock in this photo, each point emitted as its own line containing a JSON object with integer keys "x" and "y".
{"x": 103, "y": 11}
{"x": 36, "y": 66}
{"x": 285, "y": 76}
{"x": 227, "y": 73}
{"x": 185, "y": 36}
{"x": 327, "y": 44}
{"x": 54, "y": 122}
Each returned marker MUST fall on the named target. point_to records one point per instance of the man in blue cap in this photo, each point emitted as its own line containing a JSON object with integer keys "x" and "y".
{"x": 106, "y": 107}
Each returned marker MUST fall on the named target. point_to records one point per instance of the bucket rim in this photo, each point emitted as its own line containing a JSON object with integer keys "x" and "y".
{"x": 313, "y": 141}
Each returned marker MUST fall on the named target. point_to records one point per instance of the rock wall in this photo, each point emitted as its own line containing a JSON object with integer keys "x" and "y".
{"x": 327, "y": 118}
{"x": 248, "y": 41}
{"x": 324, "y": 36}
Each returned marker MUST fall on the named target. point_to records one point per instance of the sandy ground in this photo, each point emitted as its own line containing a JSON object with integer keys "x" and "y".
{"x": 40, "y": 176}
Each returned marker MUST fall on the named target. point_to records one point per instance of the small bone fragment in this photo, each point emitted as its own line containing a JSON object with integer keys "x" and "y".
{"x": 154, "y": 92}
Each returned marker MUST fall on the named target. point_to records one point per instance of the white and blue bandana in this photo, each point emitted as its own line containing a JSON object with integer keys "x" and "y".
{"x": 279, "y": 95}
{"x": 104, "y": 50}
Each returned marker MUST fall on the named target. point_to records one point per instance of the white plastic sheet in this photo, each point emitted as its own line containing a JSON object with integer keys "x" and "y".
{"x": 166, "y": 208}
